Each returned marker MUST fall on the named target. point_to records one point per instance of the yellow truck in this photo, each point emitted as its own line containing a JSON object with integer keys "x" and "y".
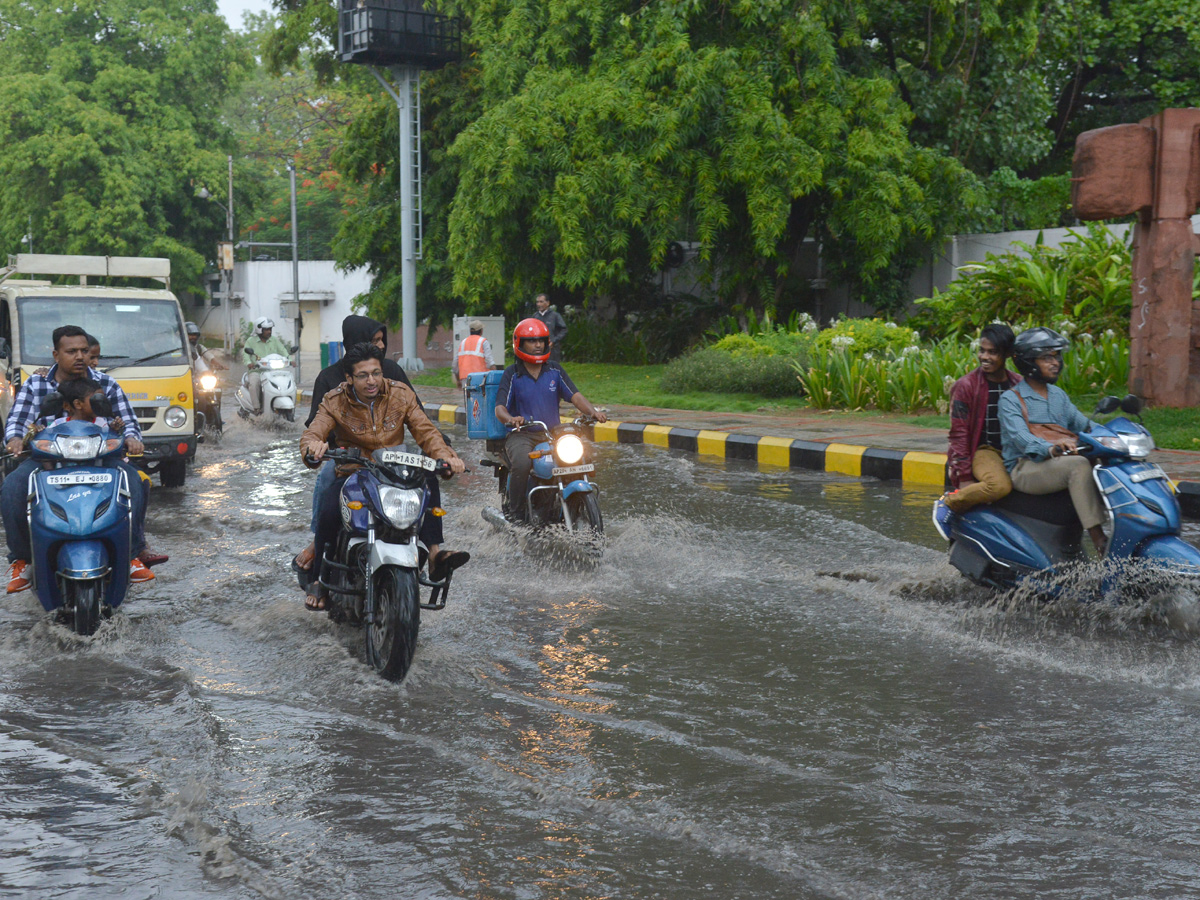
{"x": 142, "y": 342}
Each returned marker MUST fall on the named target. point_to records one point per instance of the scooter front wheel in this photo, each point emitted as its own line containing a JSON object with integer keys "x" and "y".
{"x": 83, "y": 597}
{"x": 392, "y": 639}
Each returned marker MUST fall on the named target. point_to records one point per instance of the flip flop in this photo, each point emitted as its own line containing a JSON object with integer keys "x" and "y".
{"x": 314, "y": 603}
{"x": 446, "y": 562}
{"x": 299, "y": 569}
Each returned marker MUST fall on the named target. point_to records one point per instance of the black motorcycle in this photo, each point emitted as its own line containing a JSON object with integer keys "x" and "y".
{"x": 373, "y": 570}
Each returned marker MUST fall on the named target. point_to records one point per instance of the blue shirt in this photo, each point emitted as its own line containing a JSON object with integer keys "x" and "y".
{"x": 535, "y": 399}
{"x": 28, "y": 403}
{"x": 1056, "y": 409}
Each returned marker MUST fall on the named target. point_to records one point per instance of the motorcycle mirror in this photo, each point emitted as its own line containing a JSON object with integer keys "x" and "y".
{"x": 1106, "y": 405}
{"x": 1131, "y": 404}
{"x": 101, "y": 405}
{"x": 295, "y": 348}
{"x": 52, "y": 406}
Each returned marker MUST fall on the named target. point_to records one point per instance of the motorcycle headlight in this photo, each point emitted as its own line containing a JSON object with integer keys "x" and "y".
{"x": 175, "y": 417}
{"x": 1114, "y": 443}
{"x": 208, "y": 381}
{"x": 400, "y": 506}
{"x": 568, "y": 449}
{"x": 79, "y": 447}
{"x": 274, "y": 364}
{"x": 1139, "y": 445}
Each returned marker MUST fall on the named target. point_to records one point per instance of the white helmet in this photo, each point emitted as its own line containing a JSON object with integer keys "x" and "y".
{"x": 260, "y": 325}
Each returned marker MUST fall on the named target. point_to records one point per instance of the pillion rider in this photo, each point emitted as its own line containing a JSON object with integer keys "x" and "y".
{"x": 368, "y": 412}
{"x": 70, "y": 364}
{"x": 529, "y": 391}
{"x": 1045, "y": 464}
{"x": 976, "y": 460}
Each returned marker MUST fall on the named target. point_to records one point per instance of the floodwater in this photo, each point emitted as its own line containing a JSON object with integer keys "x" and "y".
{"x": 772, "y": 686}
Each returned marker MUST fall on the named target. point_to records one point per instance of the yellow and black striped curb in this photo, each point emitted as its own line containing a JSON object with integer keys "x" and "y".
{"x": 910, "y": 466}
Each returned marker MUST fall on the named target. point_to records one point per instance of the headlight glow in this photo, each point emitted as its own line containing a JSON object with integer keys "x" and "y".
{"x": 79, "y": 447}
{"x": 401, "y": 506}
{"x": 175, "y": 417}
{"x": 274, "y": 364}
{"x": 208, "y": 381}
{"x": 569, "y": 449}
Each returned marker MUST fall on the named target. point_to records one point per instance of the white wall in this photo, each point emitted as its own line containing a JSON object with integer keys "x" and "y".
{"x": 263, "y": 285}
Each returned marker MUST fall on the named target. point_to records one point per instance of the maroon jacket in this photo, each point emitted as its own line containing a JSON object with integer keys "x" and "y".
{"x": 968, "y": 410}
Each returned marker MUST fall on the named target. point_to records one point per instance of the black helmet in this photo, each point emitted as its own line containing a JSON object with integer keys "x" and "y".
{"x": 1035, "y": 342}
{"x": 191, "y": 328}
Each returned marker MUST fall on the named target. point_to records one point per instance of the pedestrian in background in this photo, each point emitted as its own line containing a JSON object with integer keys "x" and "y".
{"x": 474, "y": 354}
{"x": 549, "y": 316}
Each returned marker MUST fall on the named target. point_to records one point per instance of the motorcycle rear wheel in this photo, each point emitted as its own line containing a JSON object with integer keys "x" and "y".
{"x": 392, "y": 640}
{"x": 83, "y": 597}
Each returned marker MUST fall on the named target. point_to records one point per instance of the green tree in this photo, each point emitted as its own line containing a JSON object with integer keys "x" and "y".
{"x": 110, "y": 119}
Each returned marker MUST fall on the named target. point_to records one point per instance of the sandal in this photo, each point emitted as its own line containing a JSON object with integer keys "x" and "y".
{"x": 303, "y": 568}
{"x": 446, "y": 562}
{"x": 314, "y": 603}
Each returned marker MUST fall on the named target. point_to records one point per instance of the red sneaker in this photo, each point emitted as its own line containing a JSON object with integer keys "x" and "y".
{"x": 17, "y": 581}
{"x": 138, "y": 572}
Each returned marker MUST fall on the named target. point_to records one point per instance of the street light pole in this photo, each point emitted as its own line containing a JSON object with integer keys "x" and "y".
{"x": 295, "y": 267}
{"x": 229, "y": 338}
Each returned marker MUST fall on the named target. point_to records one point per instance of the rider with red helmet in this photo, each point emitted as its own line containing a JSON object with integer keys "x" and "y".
{"x": 530, "y": 391}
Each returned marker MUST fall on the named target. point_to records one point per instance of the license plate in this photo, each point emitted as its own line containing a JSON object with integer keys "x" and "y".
{"x": 81, "y": 478}
{"x": 573, "y": 470}
{"x": 398, "y": 458}
{"x": 1147, "y": 474}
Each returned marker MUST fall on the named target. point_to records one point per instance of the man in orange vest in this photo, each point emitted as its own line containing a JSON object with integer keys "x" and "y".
{"x": 474, "y": 354}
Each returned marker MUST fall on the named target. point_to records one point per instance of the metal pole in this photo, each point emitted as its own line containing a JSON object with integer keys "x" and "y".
{"x": 295, "y": 267}
{"x": 229, "y": 339}
{"x": 408, "y": 271}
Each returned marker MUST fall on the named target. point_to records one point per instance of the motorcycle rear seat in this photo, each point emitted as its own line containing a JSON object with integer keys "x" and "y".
{"x": 1055, "y": 508}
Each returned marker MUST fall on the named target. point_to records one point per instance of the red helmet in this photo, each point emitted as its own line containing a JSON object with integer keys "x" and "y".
{"x": 531, "y": 328}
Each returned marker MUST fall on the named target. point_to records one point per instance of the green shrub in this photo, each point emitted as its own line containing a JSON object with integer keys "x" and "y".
{"x": 1086, "y": 280}
{"x": 719, "y": 372}
{"x": 741, "y": 346}
{"x": 861, "y": 336}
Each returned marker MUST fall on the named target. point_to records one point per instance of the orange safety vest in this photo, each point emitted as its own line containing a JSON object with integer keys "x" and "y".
{"x": 470, "y": 356}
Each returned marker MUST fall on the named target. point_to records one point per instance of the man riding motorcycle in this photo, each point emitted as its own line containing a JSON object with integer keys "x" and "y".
{"x": 262, "y": 343}
{"x": 368, "y": 412}
{"x": 530, "y": 390}
{"x": 1043, "y": 463}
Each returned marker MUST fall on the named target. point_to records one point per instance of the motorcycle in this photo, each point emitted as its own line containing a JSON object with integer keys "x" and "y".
{"x": 80, "y": 519}
{"x": 208, "y": 399}
{"x": 373, "y": 570}
{"x": 277, "y": 389}
{"x": 1031, "y": 541}
{"x": 560, "y": 492}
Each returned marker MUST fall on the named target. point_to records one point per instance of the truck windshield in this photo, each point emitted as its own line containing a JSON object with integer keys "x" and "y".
{"x": 131, "y": 331}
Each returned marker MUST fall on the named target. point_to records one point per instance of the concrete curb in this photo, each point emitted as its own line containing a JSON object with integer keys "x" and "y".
{"x": 913, "y": 467}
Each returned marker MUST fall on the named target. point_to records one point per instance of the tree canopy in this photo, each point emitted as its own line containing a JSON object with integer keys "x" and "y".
{"x": 109, "y": 122}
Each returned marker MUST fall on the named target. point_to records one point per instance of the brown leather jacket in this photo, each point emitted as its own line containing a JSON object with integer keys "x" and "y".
{"x": 371, "y": 427}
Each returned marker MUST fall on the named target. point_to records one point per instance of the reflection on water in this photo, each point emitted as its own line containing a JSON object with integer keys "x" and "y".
{"x": 773, "y": 685}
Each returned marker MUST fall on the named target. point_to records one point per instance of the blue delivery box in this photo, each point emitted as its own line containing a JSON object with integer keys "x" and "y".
{"x": 479, "y": 397}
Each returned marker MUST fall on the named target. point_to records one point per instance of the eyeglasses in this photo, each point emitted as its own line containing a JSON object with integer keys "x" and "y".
{"x": 1048, "y": 357}
{"x": 368, "y": 376}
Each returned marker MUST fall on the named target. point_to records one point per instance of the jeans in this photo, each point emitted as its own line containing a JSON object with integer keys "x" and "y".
{"x": 14, "y": 495}
{"x": 325, "y": 476}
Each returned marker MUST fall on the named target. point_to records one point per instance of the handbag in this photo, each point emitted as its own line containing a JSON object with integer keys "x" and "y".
{"x": 1048, "y": 431}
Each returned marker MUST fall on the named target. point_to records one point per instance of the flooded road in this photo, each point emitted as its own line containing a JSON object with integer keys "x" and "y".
{"x": 773, "y": 686}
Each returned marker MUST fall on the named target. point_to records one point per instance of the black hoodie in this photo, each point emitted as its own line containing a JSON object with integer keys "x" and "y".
{"x": 355, "y": 330}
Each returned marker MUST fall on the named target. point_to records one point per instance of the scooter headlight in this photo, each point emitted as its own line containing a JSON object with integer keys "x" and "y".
{"x": 175, "y": 417}
{"x": 274, "y": 364}
{"x": 568, "y": 449}
{"x": 208, "y": 381}
{"x": 1114, "y": 443}
{"x": 1139, "y": 445}
{"x": 400, "y": 506}
{"x": 87, "y": 447}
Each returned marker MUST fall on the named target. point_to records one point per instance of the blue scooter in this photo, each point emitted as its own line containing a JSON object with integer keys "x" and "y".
{"x": 1028, "y": 540}
{"x": 79, "y": 519}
